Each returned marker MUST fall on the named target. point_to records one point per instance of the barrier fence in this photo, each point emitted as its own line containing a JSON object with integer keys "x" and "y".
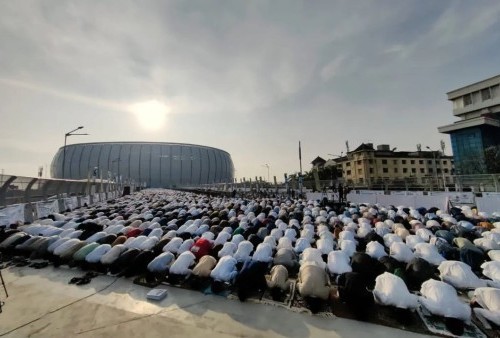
{"x": 26, "y": 198}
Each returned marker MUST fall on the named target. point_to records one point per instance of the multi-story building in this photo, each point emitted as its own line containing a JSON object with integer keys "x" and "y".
{"x": 478, "y": 107}
{"x": 366, "y": 166}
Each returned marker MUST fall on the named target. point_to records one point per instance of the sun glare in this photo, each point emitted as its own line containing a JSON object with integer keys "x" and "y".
{"x": 151, "y": 115}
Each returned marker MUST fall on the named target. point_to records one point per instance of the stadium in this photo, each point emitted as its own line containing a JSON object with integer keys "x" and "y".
{"x": 154, "y": 164}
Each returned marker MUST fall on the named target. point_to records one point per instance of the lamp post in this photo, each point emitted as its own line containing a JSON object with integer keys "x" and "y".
{"x": 435, "y": 168}
{"x": 267, "y": 165}
{"x": 69, "y": 133}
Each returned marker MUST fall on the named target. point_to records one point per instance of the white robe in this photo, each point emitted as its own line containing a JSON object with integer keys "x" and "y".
{"x": 489, "y": 299}
{"x": 181, "y": 265}
{"x": 459, "y": 275}
{"x": 338, "y": 262}
{"x": 95, "y": 255}
{"x": 225, "y": 270}
{"x": 391, "y": 290}
{"x": 441, "y": 300}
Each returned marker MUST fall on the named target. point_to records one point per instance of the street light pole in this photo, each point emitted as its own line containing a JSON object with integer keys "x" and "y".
{"x": 69, "y": 133}
{"x": 435, "y": 169}
{"x": 267, "y": 166}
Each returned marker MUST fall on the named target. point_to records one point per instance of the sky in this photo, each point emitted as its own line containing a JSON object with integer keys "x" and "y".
{"x": 249, "y": 77}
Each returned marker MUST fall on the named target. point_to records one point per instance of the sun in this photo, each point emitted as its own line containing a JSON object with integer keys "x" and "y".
{"x": 151, "y": 115}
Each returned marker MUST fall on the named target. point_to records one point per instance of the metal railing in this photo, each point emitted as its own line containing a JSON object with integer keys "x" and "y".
{"x": 20, "y": 189}
{"x": 458, "y": 183}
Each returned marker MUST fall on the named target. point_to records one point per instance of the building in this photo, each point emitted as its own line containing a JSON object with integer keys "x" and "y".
{"x": 153, "y": 164}
{"x": 366, "y": 166}
{"x": 478, "y": 107}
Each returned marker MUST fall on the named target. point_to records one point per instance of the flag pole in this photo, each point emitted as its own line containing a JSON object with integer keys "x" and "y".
{"x": 300, "y": 158}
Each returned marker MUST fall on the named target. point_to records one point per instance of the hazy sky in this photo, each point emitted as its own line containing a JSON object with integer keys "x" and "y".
{"x": 250, "y": 77}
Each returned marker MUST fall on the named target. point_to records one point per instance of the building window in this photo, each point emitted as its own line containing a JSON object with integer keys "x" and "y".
{"x": 348, "y": 172}
{"x": 431, "y": 170}
{"x": 413, "y": 170}
{"x": 370, "y": 161}
{"x": 429, "y": 161}
{"x": 360, "y": 171}
{"x": 385, "y": 170}
{"x": 395, "y": 170}
{"x": 445, "y": 162}
{"x": 467, "y": 100}
{"x": 438, "y": 170}
{"x": 384, "y": 161}
{"x": 420, "y": 161}
{"x": 348, "y": 164}
{"x": 485, "y": 94}
{"x": 395, "y": 161}
{"x": 405, "y": 170}
{"x": 412, "y": 162}
{"x": 371, "y": 170}
{"x": 422, "y": 170}
{"x": 403, "y": 161}
{"x": 445, "y": 170}
{"x": 359, "y": 162}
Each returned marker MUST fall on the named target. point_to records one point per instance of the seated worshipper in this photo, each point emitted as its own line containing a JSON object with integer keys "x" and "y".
{"x": 418, "y": 270}
{"x": 228, "y": 249}
{"x": 139, "y": 264}
{"x": 119, "y": 240}
{"x": 202, "y": 270}
{"x": 459, "y": 275}
{"x": 492, "y": 271}
{"x": 325, "y": 245}
{"x": 263, "y": 253}
{"x": 284, "y": 242}
{"x": 494, "y": 255}
{"x": 312, "y": 254}
{"x": 469, "y": 253}
{"x": 313, "y": 285}
{"x": 222, "y": 238}
{"x": 338, "y": 263}
{"x": 441, "y": 299}
{"x": 237, "y": 239}
{"x": 348, "y": 246}
{"x": 428, "y": 252}
{"x": 288, "y": 259}
{"x": 390, "y": 290}
{"x": 200, "y": 276}
{"x": 40, "y": 250}
{"x": 445, "y": 249}
{"x": 251, "y": 278}
{"x": 254, "y": 239}
{"x": 353, "y": 290}
{"x": 174, "y": 245}
{"x": 271, "y": 241}
{"x": 185, "y": 246}
{"x": 401, "y": 252}
{"x": 224, "y": 272}
{"x": 375, "y": 250}
{"x": 367, "y": 266}
{"x": 123, "y": 261}
{"x": 159, "y": 266}
{"x": 112, "y": 255}
{"x": 179, "y": 270}
{"x": 489, "y": 301}
{"x": 243, "y": 252}
{"x": 278, "y": 282}
{"x": 301, "y": 244}
{"x": 64, "y": 253}
{"x": 79, "y": 256}
{"x": 201, "y": 247}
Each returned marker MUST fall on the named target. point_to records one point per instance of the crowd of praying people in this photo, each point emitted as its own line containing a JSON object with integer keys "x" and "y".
{"x": 360, "y": 254}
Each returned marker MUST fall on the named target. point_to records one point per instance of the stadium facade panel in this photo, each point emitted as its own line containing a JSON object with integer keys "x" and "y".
{"x": 155, "y": 164}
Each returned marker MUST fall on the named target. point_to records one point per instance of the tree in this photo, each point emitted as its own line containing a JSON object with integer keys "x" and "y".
{"x": 492, "y": 159}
